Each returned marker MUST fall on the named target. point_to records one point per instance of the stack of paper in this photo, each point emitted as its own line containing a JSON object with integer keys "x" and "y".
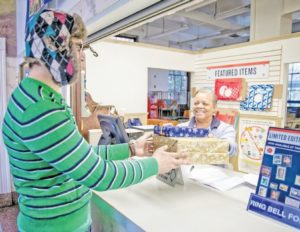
{"x": 214, "y": 177}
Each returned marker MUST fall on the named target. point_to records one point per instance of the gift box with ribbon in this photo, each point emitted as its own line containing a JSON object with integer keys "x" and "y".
{"x": 199, "y": 150}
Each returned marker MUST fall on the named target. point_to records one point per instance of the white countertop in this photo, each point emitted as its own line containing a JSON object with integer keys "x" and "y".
{"x": 156, "y": 206}
{"x": 144, "y": 127}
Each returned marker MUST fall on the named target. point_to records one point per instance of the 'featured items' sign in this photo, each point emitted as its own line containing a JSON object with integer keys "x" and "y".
{"x": 247, "y": 70}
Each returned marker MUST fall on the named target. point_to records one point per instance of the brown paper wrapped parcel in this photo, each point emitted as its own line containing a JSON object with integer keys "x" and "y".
{"x": 199, "y": 150}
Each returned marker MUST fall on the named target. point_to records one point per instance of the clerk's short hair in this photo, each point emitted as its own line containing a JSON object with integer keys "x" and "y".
{"x": 210, "y": 92}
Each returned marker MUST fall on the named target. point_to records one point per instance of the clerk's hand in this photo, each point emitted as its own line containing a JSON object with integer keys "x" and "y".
{"x": 210, "y": 135}
{"x": 169, "y": 160}
{"x": 144, "y": 145}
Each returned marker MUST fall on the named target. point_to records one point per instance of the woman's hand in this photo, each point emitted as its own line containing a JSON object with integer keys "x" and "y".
{"x": 143, "y": 146}
{"x": 169, "y": 160}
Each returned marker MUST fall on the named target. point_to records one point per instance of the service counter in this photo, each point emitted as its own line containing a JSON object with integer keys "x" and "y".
{"x": 156, "y": 206}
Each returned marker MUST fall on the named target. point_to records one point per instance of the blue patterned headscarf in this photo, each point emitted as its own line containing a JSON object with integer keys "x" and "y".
{"x": 47, "y": 39}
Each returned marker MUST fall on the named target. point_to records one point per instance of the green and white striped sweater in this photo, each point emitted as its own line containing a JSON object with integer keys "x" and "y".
{"x": 53, "y": 167}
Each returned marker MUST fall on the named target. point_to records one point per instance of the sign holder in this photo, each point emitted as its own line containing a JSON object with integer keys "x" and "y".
{"x": 277, "y": 194}
{"x": 276, "y": 210}
{"x": 172, "y": 178}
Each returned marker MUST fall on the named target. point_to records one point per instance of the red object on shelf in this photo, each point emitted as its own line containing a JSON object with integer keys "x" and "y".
{"x": 153, "y": 113}
{"x": 228, "y": 89}
{"x": 228, "y": 116}
{"x": 148, "y": 107}
{"x": 161, "y": 104}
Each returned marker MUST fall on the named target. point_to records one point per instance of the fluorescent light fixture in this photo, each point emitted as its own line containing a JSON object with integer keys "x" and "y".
{"x": 166, "y": 33}
{"x": 233, "y": 12}
{"x": 218, "y": 35}
{"x": 202, "y": 4}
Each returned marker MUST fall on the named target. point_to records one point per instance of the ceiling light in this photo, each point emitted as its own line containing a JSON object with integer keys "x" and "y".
{"x": 166, "y": 33}
{"x": 197, "y": 6}
{"x": 233, "y": 12}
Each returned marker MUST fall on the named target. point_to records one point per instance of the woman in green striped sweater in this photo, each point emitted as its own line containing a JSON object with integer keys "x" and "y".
{"x": 53, "y": 167}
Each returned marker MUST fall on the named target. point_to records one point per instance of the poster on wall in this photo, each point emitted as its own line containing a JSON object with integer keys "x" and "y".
{"x": 252, "y": 138}
{"x": 278, "y": 189}
{"x": 258, "y": 69}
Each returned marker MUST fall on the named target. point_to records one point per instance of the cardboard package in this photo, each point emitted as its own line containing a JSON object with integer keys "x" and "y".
{"x": 200, "y": 150}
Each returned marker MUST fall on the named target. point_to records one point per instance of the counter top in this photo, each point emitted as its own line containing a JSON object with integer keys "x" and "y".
{"x": 156, "y": 206}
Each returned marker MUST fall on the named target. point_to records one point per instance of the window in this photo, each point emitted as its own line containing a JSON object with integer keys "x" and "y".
{"x": 294, "y": 85}
{"x": 177, "y": 86}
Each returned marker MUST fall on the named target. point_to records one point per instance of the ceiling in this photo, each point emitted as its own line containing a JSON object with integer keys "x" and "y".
{"x": 210, "y": 24}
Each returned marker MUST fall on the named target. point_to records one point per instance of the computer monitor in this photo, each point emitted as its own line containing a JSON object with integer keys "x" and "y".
{"x": 134, "y": 122}
{"x": 113, "y": 130}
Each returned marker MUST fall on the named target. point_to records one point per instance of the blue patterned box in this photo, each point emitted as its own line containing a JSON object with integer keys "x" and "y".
{"x": 259, "y": 98}
{"x": 173, "y": 131}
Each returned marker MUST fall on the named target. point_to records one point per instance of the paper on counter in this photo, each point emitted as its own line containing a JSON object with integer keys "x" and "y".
{"x": 251, "y": 179}
{"x": 227, "y": 183}
{"x": 207, "y": 175}
{"x": 215, "y": 177}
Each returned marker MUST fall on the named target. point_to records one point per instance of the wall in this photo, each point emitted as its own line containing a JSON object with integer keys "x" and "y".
{"x": 290, "y": 50}
{"x": 158, "y": 79}
{"x": 119, "y": 76}
{"x": 279, "y": 52}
